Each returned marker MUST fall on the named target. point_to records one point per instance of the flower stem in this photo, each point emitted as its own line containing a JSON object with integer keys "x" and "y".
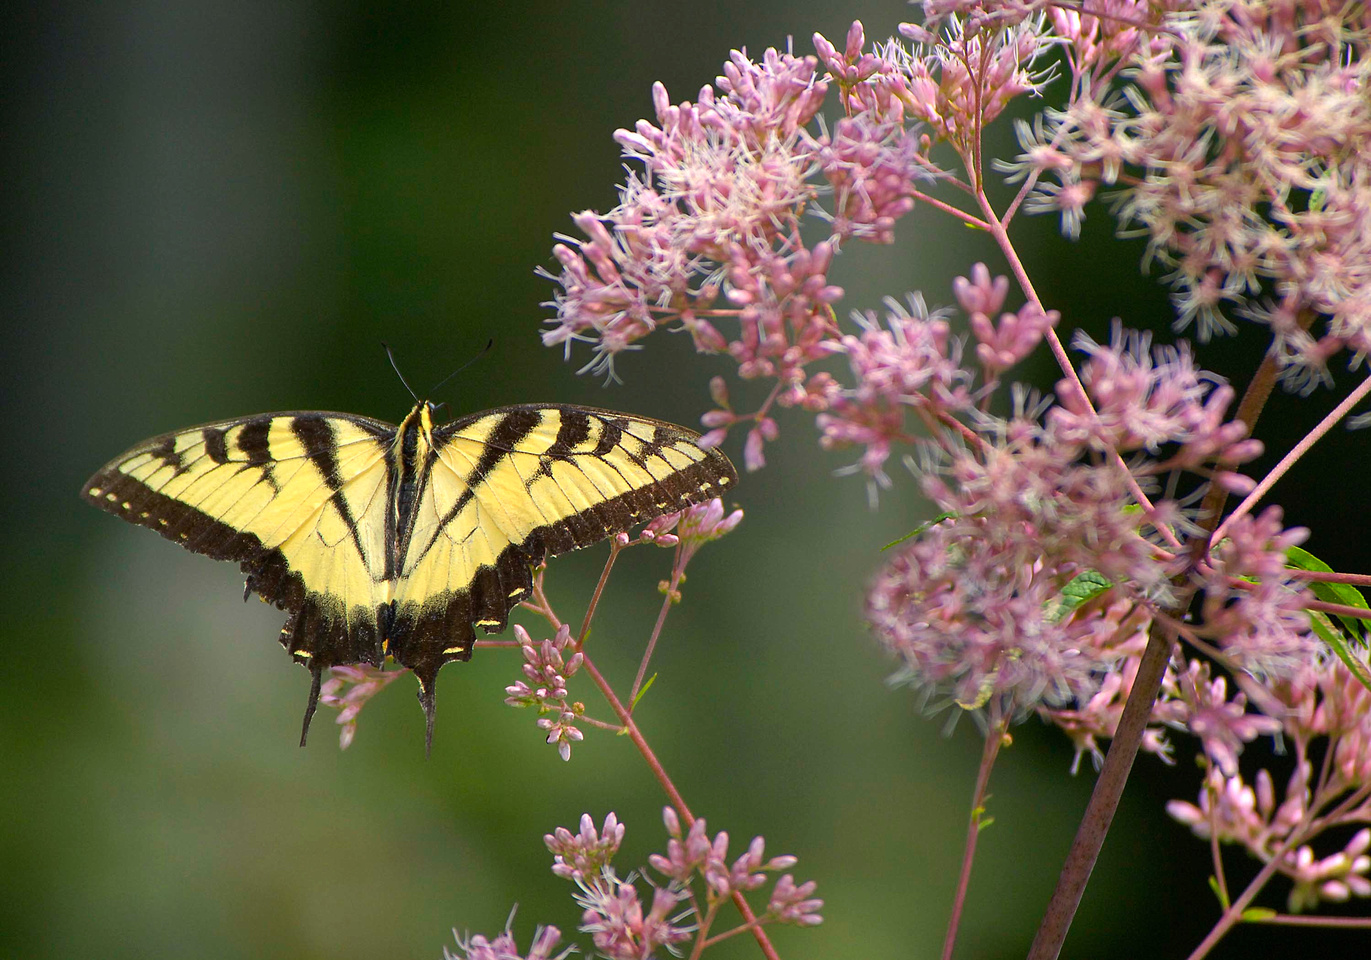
{"x": 1234, "y": 913}
{"x": 677, "y": 570}
{"x": 1137, "y": 710}
{"x": 1289, "y": 920}
{"x": 994, "y": 738}
{"x": 1001, "y": 235}
{"x": 544, "y": 608}
{"x": 614, "y": 548}
{"x": 1296, "y": 452}
{"x": 740, "y": 928}
{"x": 1220, "y": 877}
{"x": 947, "y": 208}
{"x": 1104, "y": 799}
{"x": 1322, "y": 576}
{"x": 702, "y": 934}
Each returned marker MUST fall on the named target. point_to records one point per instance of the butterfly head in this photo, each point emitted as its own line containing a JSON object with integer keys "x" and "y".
{"x": 414, "y": 436}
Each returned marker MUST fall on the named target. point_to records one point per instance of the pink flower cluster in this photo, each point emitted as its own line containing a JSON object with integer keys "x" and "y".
{"x": 615, "y": 917}
{"x": 618, "y": 925}
{"x": 973, "y": 605}
{"x": 725, "y": 181}
{"x": 582, "y": 856}
{"x": 699, "y": 879}
{"x": 972, "y": 621}
{"x": 350, "y": 688}
{"x": 1192, "y": 702}
{"x": 1234, "y": 135}
{"x": 504, "y": 947}
{"x": 547, "y": 665}
{"x": 695, "y": 854}
{"x": 550, "y": 663}
{"x": 1326, "y": 719}
{"x": 911, "y": 367}
{"x": 1254, "y": 610}
{"x": 708, "y": 236}
{"x": 691, "y": 528}
{"x": 1238, "y": 134}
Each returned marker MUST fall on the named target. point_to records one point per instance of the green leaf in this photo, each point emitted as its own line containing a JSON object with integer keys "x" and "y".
{"x": 1343, "y": 593}
{"x": 1082, "y": 588}
{"x": 1322, "y": 625}
{"x": 1218, "y": 891}
{"x": 982, "y": 824}
{"x": 1259, "y": 913}
{"x": 647, "y": 686}
{"x": 921, "y": 528}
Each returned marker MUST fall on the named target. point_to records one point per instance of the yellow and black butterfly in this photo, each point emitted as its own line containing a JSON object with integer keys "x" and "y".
{"x": 399, "y": 541}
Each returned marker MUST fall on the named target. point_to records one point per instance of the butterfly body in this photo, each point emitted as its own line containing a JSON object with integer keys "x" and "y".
{"x": 399, "y": 541}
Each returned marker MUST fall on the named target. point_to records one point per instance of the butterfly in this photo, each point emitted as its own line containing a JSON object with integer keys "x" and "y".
{"x": 385, "y": 541}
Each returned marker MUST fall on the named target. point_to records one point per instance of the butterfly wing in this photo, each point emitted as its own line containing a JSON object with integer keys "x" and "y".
{"x": 298, "y": 499}
{"x": 507, "y": 488}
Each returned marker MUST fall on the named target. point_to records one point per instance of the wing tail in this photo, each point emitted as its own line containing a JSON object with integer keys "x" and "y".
{"x": 319, "y": 637}
{"x": 424, "y": 637}
{"x": 314, "y": 687}
{"x": 429, "y": 701}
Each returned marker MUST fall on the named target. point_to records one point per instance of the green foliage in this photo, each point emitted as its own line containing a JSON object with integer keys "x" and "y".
{"x": 1352, "y": 633}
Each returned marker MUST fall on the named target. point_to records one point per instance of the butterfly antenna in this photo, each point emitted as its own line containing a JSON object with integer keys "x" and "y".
{"x": 396, "y": 367}
{"x": 484, "y": 350}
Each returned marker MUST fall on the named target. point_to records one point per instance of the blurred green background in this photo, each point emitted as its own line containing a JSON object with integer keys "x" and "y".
{"x": 222, "y": 209}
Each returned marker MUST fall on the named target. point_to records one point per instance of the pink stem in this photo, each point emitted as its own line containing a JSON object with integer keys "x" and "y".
{"x": 994, "y": 737}
{"x": 1285, "y": 919}
{"x": 1291, "y": 458}
{"x": 677, "y": 569}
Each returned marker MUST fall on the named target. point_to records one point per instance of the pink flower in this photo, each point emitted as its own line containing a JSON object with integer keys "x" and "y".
{"x": 504, "y": 947}
{"x": 1143, "y": 396}
{"x": 684, "y": 855}
{"x": 1252, "y": 607}
{"x": 1243, "y": 131}
{"x": 911, "y": 364}
{"x": 1202, "y": 708}
{"x": 1003, "y": 346}
{"x": 582, "y": 856}
{"x": 621, "y": 930}
{"x": 972, "y": 620}
{"x": 547, "y": 665}
{"x": 348, "y": 690}
{"x": 872, "y": 167}
{"x": 794, "y": 903}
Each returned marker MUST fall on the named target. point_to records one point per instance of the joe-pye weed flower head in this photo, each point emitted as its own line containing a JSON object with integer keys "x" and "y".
{"x": 1080, "y": 534}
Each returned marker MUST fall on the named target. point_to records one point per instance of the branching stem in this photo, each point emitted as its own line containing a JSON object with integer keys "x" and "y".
{"x": 672, "y": 794}
{"x": 626, "y": 719}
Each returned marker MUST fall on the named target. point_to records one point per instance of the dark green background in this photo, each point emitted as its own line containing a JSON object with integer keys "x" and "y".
{"x": 221, "y": 209}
